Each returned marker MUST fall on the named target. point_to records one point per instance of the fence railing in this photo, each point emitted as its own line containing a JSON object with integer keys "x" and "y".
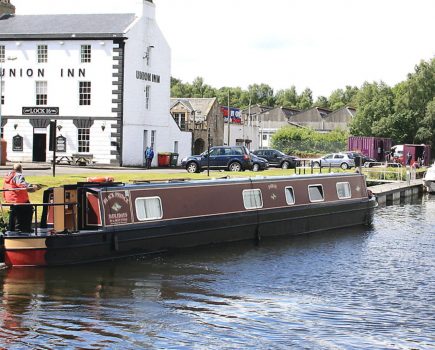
{"x": 388, "y": 172}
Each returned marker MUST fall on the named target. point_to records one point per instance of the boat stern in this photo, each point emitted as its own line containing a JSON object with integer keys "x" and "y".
{"x": 25, "y": 251}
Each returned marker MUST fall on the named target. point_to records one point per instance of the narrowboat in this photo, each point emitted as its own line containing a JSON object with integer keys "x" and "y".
{"x": 95, "y": 221}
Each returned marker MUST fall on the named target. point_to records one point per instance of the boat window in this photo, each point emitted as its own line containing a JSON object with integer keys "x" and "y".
{"x": 343, "y": 190}
{"x": 289, "y": 195}
{"x": 316, "y": 193}
{"x": 252, "y": 199}
{"x": 149, "y": 208}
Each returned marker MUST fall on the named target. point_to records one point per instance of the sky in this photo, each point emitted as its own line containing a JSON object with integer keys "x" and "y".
{"x": 318, "y": 44}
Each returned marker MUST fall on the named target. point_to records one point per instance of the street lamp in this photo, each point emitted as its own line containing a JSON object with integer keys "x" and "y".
{"x": 1, "y": 103}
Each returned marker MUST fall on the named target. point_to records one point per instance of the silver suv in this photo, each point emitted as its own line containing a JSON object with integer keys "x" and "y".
{"x": 341, "y": 160}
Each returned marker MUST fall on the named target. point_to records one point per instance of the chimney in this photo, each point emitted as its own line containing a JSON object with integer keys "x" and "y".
{"x": 6, "y": 8}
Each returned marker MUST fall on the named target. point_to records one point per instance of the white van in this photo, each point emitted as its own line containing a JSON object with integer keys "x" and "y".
{"x": 398, "y": 151}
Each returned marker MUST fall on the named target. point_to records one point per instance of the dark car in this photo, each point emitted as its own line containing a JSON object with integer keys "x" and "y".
{"x": 232, "y": 158}
{"x": 364, "y": 158}
{"x": 259, "y": 163}
{"x": 278, "y": 159}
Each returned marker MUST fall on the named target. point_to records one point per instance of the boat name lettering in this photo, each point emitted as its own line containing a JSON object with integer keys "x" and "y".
{"x": 115, "y": 195}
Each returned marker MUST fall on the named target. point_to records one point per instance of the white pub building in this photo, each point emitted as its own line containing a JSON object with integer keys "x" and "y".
{"x": 104, "y": 78}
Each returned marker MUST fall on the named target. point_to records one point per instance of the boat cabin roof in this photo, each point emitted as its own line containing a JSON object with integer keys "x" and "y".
{"x": 108, "y": 186}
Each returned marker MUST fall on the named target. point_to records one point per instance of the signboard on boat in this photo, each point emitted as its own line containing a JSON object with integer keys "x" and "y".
{"x": 117, "y": 208}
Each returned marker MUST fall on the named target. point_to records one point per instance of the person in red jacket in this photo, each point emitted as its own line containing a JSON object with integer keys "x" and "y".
{"x": 15, "y": 190}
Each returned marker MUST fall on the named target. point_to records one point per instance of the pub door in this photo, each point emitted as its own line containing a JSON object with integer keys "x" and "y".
{"x": 39, "y": 144}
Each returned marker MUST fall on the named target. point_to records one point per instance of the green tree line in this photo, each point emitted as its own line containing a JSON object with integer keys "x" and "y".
{"x": 404, "y": 112}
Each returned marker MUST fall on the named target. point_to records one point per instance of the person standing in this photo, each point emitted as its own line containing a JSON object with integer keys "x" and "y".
{"x": 15, "y": 191}
{"x": 408, "y": 158}
{"x": 149, "y": 155}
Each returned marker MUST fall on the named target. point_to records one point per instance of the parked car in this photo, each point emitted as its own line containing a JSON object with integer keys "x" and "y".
{"x": 232, "y": 158}
{"x": 341, "y": 160}
{"x": 259, "y": 163}
{"x": 278, "y": 159}
{"x": 363, "y": 157}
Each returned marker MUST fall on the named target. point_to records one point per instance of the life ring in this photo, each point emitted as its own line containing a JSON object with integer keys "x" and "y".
{"x": 100, "y": 179}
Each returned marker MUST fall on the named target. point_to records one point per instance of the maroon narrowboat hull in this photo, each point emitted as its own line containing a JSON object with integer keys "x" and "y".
{"x": 127, "y": 236}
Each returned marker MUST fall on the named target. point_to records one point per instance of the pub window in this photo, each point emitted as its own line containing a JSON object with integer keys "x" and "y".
{"x": 252, "y": 199}
{"x": 17, "y": 143}
{"x": 153, "y": 139}
{"x": 2, "y": 88}
{"x": 315, "y": 193}
{"x": 83, "y": 139}
{"x": 343, "y": 190}
{"x": 42, "y": 54}
{"x": 147, "y": 96}
{"x": 289, "y": 195}
{"x": 85, "y": 53}
{"x": 41, "y": 93}
{"x": 180, "y": 119}
{"x": 2, "y": 54}
{"x": 85, "y": 93}
{"x": 148, "y": 208}
{"x": 148, "y": 55}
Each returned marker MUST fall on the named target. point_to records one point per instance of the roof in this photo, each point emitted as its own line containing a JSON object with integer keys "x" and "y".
{"x": 201, "y": 106}
{"x": 65, "y": 26}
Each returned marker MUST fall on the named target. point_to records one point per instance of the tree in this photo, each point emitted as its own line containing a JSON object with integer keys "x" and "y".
{"x": 374, "y": 101}
{"x": 287, "y": 98}
{"x": 322, "y": 102}
{"x": 179, "y": 89}
{"x": 261, "y": 94}
{"x": 307, "y": 142}
{"x": 426, "y": 131}
{"x": 340, "y": 98}
{"x": 305, "y": 100}
{"x": 413, "y": 97}
{"x": 201, "y": 90}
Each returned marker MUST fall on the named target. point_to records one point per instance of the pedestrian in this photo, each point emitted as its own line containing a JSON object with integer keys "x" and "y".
{"x": 149, "y": 155}
{"x": 15, "y": 191}
{"x": 408, "y": 158}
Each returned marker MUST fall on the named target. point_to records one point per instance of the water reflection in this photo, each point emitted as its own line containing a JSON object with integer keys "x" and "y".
{"x": 360, "y": 288}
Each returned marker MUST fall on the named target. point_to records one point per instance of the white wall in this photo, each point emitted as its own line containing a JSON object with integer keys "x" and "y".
{"x": 137, "y": 118}
{"x": 239, "y": 131}
{"x": 62, "y": 92}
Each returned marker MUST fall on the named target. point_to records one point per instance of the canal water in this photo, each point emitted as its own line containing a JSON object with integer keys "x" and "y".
{"x": 366, "y": 288}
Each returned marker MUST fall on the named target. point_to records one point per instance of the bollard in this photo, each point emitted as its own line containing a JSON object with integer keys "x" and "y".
{"x": 408, "y": 175}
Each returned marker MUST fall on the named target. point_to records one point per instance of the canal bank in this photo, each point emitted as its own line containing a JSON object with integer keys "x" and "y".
{"x": 396, "y": 191}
